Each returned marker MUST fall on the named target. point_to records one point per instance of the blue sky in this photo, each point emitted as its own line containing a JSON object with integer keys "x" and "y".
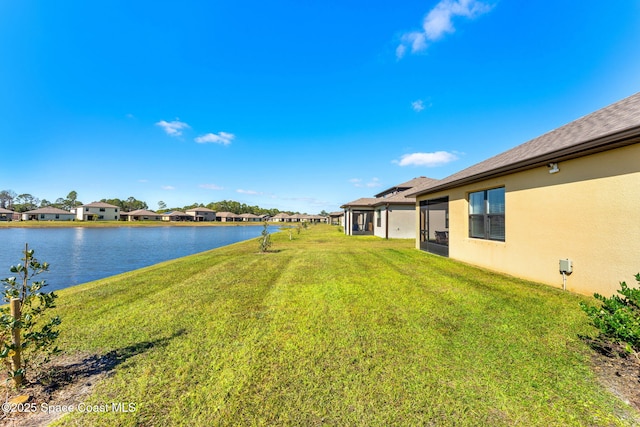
{"x": 297, "y": 105}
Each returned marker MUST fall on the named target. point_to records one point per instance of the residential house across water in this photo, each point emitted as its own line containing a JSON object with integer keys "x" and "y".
{"x": 202, "y": 214}
{"x": 97, "y": 211}
{"x": 48, "y": 214}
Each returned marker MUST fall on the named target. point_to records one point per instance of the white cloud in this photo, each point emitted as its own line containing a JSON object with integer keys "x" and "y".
{"x": 437, "y": 158}
{"x": 357, "y": 182}
{"x": 251, "y": 192}
{"x": 419, "y": 105}
{"x": 438, "y": 22}
{"x": 173, "y": 128}
{"x": 211, "y": 187}
{"x": 223, "y": 138}
{"x": 168, "y": 187}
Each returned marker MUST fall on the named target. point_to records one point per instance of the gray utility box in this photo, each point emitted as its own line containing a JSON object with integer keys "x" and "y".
{"x": 566, "y": 266}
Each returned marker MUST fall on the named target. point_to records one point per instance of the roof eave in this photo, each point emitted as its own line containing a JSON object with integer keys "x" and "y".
{"x": 597, "y": 145}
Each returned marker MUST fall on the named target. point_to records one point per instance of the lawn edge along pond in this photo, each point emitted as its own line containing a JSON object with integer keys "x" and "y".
{"x": 338, "y": 330}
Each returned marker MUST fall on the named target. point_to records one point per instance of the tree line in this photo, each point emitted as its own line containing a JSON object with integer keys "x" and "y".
{"x": 26, "y": 202}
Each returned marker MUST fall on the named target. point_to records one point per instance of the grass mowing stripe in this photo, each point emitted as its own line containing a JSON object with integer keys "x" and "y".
{"x": 338, "y": 330}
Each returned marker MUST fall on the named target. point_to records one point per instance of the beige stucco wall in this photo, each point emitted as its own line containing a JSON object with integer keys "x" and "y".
{"x": 109, "y": 214}
{"x": 588, "y": 212}
{"x": 401, "y": 222}
{"x": 50, "y": 217}
{"x": 207, "y": 216}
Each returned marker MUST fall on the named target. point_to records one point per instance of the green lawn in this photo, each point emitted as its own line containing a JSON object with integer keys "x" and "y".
{"x": 337, "y": 330}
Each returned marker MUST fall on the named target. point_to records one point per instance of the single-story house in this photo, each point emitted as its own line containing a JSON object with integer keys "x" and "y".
{"x": 561, "y": 209}
{"x": 227, "y": 217}
{"x": 336, "y": 218}
{"x": 317, "y": 218}
{"x": 6, "y": 214}
{"x": 176, "y": 216}
{"x": 48, "y": 214}
{"x": 97, "y": 211}
{"x": 358, "y": 216}
{"x": 141, "y": 215}
{"x": 249, "y": 217}
{"x": 299, "y": 218}
{"x": 280, "y": 217}
{"x": 202, "y": 214}
{"x": 390, "y": 214}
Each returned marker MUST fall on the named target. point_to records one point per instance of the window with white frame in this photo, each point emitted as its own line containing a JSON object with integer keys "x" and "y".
{"x": 486, "y": 214}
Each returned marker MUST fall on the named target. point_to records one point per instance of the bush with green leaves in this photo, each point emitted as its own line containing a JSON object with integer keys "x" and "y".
{"x": 38, "y": 334}
{"x": 618, "y": 317}
{"x": 265, "y": 238}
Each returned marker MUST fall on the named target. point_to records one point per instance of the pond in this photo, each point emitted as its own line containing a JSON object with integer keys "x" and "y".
{"x": 79, "y": 254}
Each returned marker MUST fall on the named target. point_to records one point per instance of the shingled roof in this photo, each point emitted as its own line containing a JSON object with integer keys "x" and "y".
{"x": 611, "y": 127}
{"x": 48, "y": 210}
{"x": 361, "y": 202}
{"x": 415, "y": 182}
{"x": 394, "y": 195}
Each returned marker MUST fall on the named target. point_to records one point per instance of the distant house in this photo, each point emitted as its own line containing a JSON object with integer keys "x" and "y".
{"x": 390, "y": 214}
{"x": 48, "y": 214}
{"x": 358, "y": 216}
{"x": 97, "y": 211}
{"x": 317, "y": 218}
{"x": 280, "y": 217}
{"x": 6, "y": 215}
{"x": 202, "y": 214}
{"x": 176, "y": 216}
{"x": 336, "y": 218}
{"x": 227, "y": 217}
{"x": 296, "y": 218}
{"x": 567, "y": 201}
{"x": 249, "y": 217}
{"x": 141, "y": 215}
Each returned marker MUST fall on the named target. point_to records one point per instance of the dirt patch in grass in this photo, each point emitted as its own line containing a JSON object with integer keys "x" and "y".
{"x": 69, "y": 381}
{"x": 618, "y": 371}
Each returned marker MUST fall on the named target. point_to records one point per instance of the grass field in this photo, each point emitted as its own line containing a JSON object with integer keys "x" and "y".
{"x": 336, "y": 330}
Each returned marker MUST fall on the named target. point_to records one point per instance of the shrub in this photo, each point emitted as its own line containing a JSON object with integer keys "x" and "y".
{"x": 38, "y": 335}
{"x": 265, "y": 238}
{"x": 618, "y": 317}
